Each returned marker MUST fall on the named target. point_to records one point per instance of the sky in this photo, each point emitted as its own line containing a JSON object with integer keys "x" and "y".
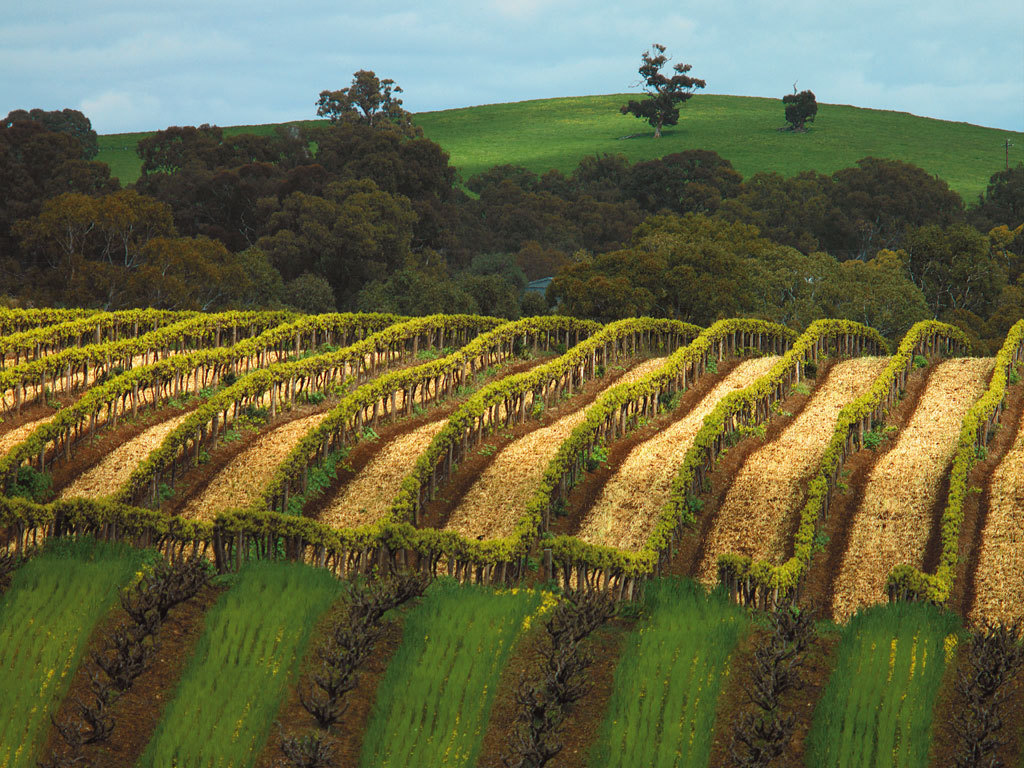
{"x": 139, "y": 65}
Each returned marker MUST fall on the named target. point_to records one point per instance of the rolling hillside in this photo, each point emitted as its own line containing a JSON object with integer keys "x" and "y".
{"x": 556, "y": 133}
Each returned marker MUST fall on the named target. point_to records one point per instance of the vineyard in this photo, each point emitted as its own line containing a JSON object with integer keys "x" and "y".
{"x": 364, "y": 539}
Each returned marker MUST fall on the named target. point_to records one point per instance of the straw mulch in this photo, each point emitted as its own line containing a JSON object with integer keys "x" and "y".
{"x": 999, "y": 585}
{"x": 368, "y": 497}
{"x": 894, "y": 518}
{"x": 498, "y": 498}
{"x": 12, "y": 437}
{"x": 628, "y": 506}
{"x": 771, "y": 485}
{"x": 115, "y": 469}
{"x": 241, "y": 481}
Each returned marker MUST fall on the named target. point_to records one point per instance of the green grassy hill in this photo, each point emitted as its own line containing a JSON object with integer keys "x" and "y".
{"x": 556, "y": 133}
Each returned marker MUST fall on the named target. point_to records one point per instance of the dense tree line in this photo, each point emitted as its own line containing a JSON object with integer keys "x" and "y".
{"x": 357, "y": 213}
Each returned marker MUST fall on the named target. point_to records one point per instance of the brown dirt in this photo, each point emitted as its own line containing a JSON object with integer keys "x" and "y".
{"x": 347, "y": 733}
{"x": 583, "y": 496}
{"x": 34, "y": 412}
{"x": 933, "y": 547}
{"x": 817, "y": 670}
{"x": 365, "y": 451}
{"x": 800, "y": 702}
{"x": 976, "y": 506}
{"x": 732, "y": 699}
{"x": 692, "y": 547}
{"x": 90, "y": 452}
{"x": 501, "y": 727}
{"x": 819, "y": 584}
{"x": 437, "y": 512}
{"x": 584, "y": 719}
{"x": 137, "y": 711}
{"x": 948, "y": 706}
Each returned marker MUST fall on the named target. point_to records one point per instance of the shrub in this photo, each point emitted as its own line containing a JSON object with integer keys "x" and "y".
{"x": 597, "y": 456}
{"x": 32, "y": 484}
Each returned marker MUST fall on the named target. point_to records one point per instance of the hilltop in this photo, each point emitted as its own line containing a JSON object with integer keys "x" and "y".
{"x": 555, "y": 133}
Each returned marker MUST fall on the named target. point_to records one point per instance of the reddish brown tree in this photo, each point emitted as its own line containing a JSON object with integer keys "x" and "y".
{"x": 665, "y": 94}
{"x": 368, "y": 100}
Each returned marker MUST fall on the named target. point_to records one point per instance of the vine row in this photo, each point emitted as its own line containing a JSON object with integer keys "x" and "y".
{"x": 767, "y": 584}
{"x": 907, "y": 582}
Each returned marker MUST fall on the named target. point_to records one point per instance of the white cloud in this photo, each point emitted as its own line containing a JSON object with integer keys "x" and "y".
{"x": 119, "y": 111}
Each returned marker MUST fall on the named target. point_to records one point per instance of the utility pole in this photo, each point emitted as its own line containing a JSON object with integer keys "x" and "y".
{"x": 1008, "y": 145}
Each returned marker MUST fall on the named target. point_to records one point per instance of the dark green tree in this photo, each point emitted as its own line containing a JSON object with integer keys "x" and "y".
{"x": 1003, "y": 201}
{"x": 69, "y": 121}
{"x": 664, "y": 94}
{"x": 354, "y": 233}
{"x": 694, "y": 181}
{"x": 954, "y": 267}
{"x": 415, "y": 292}
{"x": 878, "y": 200}
{"x": 793, "y": 211}
{"x": 310, "y": 293}
{"x": 690, "y": 268}
{"x": 367, "y": 100}
{"x": 800, "y": 109}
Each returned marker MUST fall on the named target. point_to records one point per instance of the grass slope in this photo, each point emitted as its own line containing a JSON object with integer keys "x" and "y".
{"x": 434, "y": 701}
{"x": 877, "y": 708}
{"x": 556, "y": 133}
{"x": 46, "y": 617}
{"x": 230, "y": 692}
{"x": 662, "y": 709}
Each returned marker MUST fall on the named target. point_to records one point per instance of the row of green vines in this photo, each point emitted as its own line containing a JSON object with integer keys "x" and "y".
{"x": 220, "y": 360}
{"x": 305, "y": 452}
{"x": 261, "y": 381}
{"x": 768, "y": 577}
{"x": 516, "y": 544}
{"x": 745, "y": 407}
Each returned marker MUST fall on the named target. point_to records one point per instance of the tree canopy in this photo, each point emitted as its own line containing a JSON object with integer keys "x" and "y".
{"x": 368, "y": 100}
{"x": 664, "y": 94}
{"x": 347, "y": 214}
{"x": 69, "y": 121}
{"x": 800, "y": 109}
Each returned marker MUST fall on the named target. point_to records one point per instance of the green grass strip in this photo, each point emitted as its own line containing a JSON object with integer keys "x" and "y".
{"x": 662, "y": 708}
{"x": 876, "y": 711}
{"x": 46, "y": 617}
{"x": 229, "y": 694}
{"x": 435, "y": 698}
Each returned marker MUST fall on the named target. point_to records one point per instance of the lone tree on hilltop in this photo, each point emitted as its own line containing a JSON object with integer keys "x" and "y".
{"x": 665, "y": 94}
{"x": 800, "y": 109}
{"x": 368, "y": 100}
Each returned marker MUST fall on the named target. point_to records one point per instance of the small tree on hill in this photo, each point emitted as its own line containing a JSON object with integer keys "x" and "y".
{"x": 368, "y": 100}
{"x": 665, "y": 94}
{"x": 800, "y": 109}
